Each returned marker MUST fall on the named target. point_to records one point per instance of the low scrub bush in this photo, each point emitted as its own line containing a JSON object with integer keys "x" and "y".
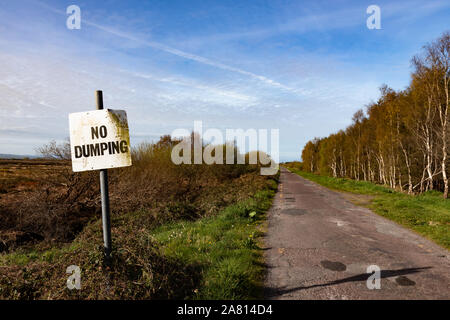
{"x": 63, "y": 202}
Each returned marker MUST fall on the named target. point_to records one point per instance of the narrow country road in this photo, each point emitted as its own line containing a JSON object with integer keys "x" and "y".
{"x": 319, "y": 245}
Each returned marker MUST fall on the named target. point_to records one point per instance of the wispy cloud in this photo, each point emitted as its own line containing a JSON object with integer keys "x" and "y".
{"x": 323, "y": 21}
{"x": 180, "y": 53}
{"x": 237, "y": 98}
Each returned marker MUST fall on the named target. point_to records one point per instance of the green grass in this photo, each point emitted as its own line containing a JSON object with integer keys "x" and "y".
{"x": 225, "y": 246}
{"x": 428, "y": 214}
{"x": 343, "y": 184}
{"x": 24, "y": 256}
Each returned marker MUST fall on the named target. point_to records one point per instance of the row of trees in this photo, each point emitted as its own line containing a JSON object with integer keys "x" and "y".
{"x": 402, "y": 140}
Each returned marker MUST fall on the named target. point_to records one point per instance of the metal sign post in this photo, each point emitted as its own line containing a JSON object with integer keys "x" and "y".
{"x": 106, "y": 221}
{"x": 100, "y": 140}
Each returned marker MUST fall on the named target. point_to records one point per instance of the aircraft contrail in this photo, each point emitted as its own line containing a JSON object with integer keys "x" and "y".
{"x": 177, "y": 52}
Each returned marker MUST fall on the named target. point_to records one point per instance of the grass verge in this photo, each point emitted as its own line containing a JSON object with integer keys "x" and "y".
{"x": 428, "y": 214}
{"x": 224, "y": 246}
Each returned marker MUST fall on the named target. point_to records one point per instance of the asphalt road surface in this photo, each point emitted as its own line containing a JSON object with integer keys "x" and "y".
{"x": 319, "y": 245}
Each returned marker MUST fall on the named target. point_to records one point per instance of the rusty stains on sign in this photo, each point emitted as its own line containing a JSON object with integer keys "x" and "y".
{"x": 99, "y": 140}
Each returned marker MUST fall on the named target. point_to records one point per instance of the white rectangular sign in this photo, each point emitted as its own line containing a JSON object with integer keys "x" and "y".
{"x": 99, "y": 139}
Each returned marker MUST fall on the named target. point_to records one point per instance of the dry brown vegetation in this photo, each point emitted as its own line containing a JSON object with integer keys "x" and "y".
{"x": 50, "y": 215}
{"x": 43, "y": 200}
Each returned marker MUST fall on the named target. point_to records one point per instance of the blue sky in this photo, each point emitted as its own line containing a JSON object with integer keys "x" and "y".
{"x": 303, "y": 67}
